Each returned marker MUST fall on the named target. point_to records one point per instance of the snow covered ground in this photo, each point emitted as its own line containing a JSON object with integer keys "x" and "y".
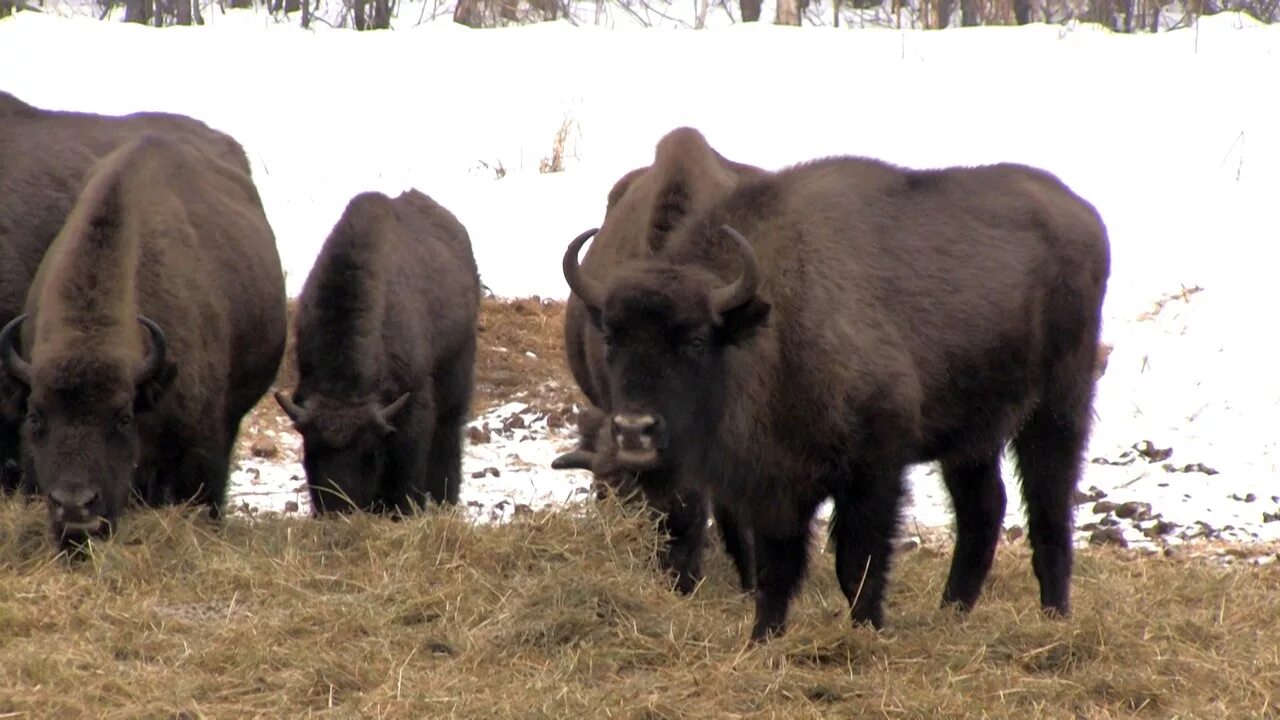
{"x": 1175, "y": 137}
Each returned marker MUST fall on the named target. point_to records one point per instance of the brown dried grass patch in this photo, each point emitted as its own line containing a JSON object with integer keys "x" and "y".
{"x": 561, "y": 614}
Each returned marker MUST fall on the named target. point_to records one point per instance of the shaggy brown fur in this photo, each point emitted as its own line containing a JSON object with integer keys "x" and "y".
{"x": 386, "y": 343}
{"x": 885, "y": 316}
{"x": 642, "y": 211}
{"x": 44, "y": 157}
{"x": 165, "y": 231}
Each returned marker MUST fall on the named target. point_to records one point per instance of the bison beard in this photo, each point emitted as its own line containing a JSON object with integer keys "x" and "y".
{"x": 386, "y": 343}
{"x": 817, "y": 330}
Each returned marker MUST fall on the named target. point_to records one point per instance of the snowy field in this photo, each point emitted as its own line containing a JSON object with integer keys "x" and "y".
{"x": 1174, "y": 137}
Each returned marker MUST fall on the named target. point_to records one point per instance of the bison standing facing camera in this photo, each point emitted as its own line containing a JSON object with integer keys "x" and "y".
{"x": 386, "y": 344}
{"x": 811, "y": 332}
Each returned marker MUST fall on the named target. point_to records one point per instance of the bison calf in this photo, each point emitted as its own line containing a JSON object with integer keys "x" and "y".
{"x": 809, "y": 333}
{"x": 386, "y": 343}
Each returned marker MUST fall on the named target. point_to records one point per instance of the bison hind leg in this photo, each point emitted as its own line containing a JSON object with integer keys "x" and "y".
{"x": 1050, "y": 449}
{"x": 979, "y": 501}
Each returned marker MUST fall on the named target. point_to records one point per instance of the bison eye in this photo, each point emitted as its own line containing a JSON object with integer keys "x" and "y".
{"x": 695, "y": 343}
{"x": 124, "y": 420}
{"x": 35, "y": 420}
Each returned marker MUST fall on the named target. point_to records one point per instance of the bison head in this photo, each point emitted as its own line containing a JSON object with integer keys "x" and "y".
{"x": 80, "y": 436}
{"x": 666, "y": 329}
{"x": 343, "y": 446}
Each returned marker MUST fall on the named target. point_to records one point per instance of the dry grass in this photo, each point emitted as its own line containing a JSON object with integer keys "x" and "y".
{"x": 561, "y": 615}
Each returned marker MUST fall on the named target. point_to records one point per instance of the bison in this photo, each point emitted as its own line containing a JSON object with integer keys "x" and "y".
{"x": 815, "y": 330}
{"x": 155, "y": 321}
{"x": 386, "y": 345}
{"x": 641, "y": 212}
{"x": 44, "y": 157}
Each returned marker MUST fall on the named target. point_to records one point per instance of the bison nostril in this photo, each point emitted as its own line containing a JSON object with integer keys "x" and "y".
{"x": 638, "y": 424}
{"x": 636, "y": 432}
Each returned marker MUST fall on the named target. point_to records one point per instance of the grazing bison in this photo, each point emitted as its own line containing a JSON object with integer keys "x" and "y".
{"x": 386, "y": 344}
{"x": 816, "y": 330}
{"x": 683, "y": 514}
{"x": 642, "y": 211}
{"x": 154, "y": 323}
{"x": 44, "y": 156}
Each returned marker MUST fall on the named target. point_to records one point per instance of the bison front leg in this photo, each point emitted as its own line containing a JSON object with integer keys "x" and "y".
{"x": 738, "y": 544}
{"x": 453, "y": 397}
{"x": 865, "y": 522}
{"x": 201, "y": 477}
{"x": 444, "y": 463}
{"x": 781, "y": 562}
{"x": 408, "y": 484}
{"x": 684, "y": 520}
{"x": 978, "y": 496}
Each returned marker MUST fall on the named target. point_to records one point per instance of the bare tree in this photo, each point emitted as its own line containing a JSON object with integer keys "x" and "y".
{"x": 970, "y": 14}
{"x": 788, "y": 12}
{"x": 9, "y": 7}
{"x": 750, "y": 10}
{"x": 469, "y": 13}
{"x": 380, "y": 10}
{"x": 139, "y": 11}
{"x": 1022, "y": 11}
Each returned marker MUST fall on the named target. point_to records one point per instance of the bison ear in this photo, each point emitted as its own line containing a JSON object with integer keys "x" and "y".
{"x": 741, "y": 323}
{"x": 151, "y": 392}
{"x": 596, "y": 316}
{"x": 13, "y": 401}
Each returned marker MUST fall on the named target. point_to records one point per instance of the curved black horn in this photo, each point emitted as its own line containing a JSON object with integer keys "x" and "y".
{"x": 386, "y": 414}
{"x": 574, "y": 460}
{"x": 741, "y": 290}
{"x": 295, "y": 411}
{"x": 591, "y": 292}
{"x": 9, "y": 357}
{"x": 150, "y": 367}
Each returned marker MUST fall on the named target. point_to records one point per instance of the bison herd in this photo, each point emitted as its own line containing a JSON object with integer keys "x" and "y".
{"x": 751, "y": 343}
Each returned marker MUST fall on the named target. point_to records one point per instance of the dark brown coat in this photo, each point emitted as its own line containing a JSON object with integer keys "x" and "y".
{"x": 386, "y": 343}
{"x": 818, "y": 329}
{"x": 44, "y": 157}
{"x": 155, "y": 321}
{"x": 642, "y": 211}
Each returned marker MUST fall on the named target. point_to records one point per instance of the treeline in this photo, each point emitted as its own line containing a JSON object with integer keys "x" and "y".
{"x": 1119, "y": 15}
